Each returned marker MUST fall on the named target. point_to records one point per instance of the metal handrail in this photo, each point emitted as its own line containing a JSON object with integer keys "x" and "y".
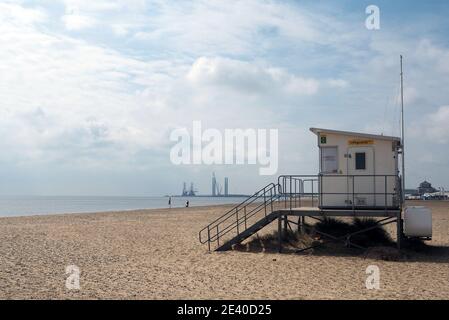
{"x": 214, "y": 226}
{"x": 291, "y": 190}
{"x": 240, "y": 221}
{"x": 242, "y": 203}
{"x": 286, "y": 190}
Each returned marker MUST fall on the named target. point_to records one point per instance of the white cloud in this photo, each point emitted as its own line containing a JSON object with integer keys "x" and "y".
{"x": 411, "y": 95}
{"x": 118, "y": 15}
{"x": 248, "y": 77}
{"x": 77, "y": 22}
{"x": 436, "y": 125}
{"x": 435, "y": 55}
{"x": 337, "y": 83}
{"x": 120, "y": 29}
{"x": 17, "y": 15}
{"x": 94, "y": 6}
{"x": 74, "y": 103}
{"x": 220, "y": 28}
{"x": 256, "y": 64}
{"x": 63, "y": 98}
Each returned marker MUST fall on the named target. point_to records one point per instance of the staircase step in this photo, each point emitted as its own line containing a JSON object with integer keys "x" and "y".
{"x": 270, "y": 191}
{"x": 249, "y": 232}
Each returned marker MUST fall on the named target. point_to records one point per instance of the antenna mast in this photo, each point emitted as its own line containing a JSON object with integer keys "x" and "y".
{"x": 402, "y": 132}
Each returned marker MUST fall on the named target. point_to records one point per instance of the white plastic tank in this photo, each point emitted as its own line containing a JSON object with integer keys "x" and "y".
{"x": 418, "y": 222}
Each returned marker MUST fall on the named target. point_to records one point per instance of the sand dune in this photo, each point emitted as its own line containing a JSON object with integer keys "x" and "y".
{"x": 155, "y": 254}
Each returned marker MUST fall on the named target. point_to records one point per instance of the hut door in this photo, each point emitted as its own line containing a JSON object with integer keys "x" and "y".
{"x": 361, "y": 182}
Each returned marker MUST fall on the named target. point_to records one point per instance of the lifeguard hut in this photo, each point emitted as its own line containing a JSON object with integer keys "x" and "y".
{"x": 358, "y": 177}
{"x": 358, "y": 170}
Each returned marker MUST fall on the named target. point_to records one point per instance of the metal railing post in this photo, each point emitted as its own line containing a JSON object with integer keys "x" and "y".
{"x": 244, "y": 212}
{"x": 296, "y": 193}
{"x": 375, "y": 191}
{"x": 284, "y": 191}
{"x": 290, "y": 193}
{"x": 237, "y": 220}
{"x": 312, "y": 192}
{"x": 265, "y": 201}
{"x": 218, "y": 237}
{"x": 320, "y": 191}
{"x": 208, "y": 238}
{"x": 386, "y": 193}
{"x": 353, "y": 193}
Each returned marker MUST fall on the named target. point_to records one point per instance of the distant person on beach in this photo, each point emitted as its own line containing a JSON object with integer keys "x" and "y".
{"x": 187, "y": 203}
{"x": 169, "y": 202}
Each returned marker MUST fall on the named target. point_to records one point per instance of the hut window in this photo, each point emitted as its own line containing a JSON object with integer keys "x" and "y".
{"x": 329, "y": 158}
{"x": 360, "y": 161}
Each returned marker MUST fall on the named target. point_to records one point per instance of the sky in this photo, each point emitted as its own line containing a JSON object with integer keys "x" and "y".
{"x": 91, "y": 90}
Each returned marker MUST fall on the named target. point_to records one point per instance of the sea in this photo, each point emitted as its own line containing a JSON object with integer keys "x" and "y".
{"x": 39, "y": 205}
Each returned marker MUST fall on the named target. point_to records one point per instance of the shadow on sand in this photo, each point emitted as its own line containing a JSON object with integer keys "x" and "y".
{"x": 379, "y": 245}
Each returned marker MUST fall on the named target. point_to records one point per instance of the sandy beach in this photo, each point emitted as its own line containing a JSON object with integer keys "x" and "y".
{"x": 155, "y": 254}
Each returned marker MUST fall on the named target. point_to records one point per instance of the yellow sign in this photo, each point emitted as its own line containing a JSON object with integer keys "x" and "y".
{"x": 358, "y": 142}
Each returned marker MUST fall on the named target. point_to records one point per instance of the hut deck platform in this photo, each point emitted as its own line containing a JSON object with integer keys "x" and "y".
{"x": 321, "y": 212}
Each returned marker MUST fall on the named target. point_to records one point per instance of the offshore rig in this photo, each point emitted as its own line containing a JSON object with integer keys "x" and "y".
{"x": 217, "y": 189}
{"x": 191, "y": 192}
